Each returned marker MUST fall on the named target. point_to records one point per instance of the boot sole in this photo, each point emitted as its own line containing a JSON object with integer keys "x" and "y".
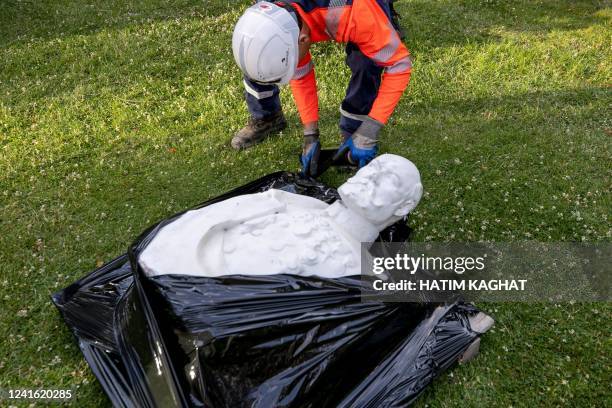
{"x": 241, "y": 144}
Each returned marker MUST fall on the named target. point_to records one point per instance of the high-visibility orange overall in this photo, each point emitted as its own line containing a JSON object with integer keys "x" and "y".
{"x": 379, "y": 62}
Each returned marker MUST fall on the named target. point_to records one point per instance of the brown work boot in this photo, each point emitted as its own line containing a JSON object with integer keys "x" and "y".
{"x": 257, "y": 130}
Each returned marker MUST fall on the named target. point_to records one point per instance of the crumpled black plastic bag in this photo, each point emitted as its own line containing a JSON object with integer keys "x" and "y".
{"x": 257, "y": 341}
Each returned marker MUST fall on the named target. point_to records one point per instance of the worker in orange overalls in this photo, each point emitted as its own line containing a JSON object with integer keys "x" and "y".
{"x": 271, "y": 44}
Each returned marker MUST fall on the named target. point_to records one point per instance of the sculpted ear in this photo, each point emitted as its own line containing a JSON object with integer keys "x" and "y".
{"x": 412, "y": 200}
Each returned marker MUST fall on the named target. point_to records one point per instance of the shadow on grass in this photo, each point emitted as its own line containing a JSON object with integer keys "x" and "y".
{"x": 427, "y": 23}
{"x": 48, "y": 19}
{"x": 430, "y": 24}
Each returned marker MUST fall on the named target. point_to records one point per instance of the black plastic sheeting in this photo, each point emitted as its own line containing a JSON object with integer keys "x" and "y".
{"x": 257, "y": 341}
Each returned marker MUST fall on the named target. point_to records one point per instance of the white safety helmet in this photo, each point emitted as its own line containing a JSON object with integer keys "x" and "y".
{"x": 265, "y": 43}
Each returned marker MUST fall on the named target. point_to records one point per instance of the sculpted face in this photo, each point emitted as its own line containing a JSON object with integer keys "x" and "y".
{"x": 384, "y": 191}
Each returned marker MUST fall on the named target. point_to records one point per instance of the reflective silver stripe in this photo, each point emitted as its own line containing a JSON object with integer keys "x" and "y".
{"x": 354, "y": 116}
{"x": 368, "y": 129}
{"x": 302, "y": 71}
{"x": 258, "y": 95}
{"x": 332, "y": 19}
{"x": 403, "y": 65}
{"x": 386, "y": 52}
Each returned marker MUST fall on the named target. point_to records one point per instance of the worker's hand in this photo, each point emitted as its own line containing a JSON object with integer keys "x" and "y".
{"x": 362, "y": 146}
{"x": 311, "y": 150}
{"x": 356, "y": 155}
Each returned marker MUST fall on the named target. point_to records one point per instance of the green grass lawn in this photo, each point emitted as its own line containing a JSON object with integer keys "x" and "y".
{"x": 117, "y": 114}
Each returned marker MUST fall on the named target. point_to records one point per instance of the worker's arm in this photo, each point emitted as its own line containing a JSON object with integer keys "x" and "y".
{"x": 395, "y": 79}
{"x": 378, "y": 40}
{"x": 304, "y": 88}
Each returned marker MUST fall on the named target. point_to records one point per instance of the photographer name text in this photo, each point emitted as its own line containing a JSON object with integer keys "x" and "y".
{"x": 451, "y": 285}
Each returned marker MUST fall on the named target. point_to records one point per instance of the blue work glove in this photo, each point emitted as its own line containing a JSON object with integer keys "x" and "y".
{"x": 362, "y": 145}
{"x": 358, "y": 156}
{"x": 311, "y": 150}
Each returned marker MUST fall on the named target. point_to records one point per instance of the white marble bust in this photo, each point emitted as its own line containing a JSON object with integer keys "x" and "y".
{"x": 280, "y": 232}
